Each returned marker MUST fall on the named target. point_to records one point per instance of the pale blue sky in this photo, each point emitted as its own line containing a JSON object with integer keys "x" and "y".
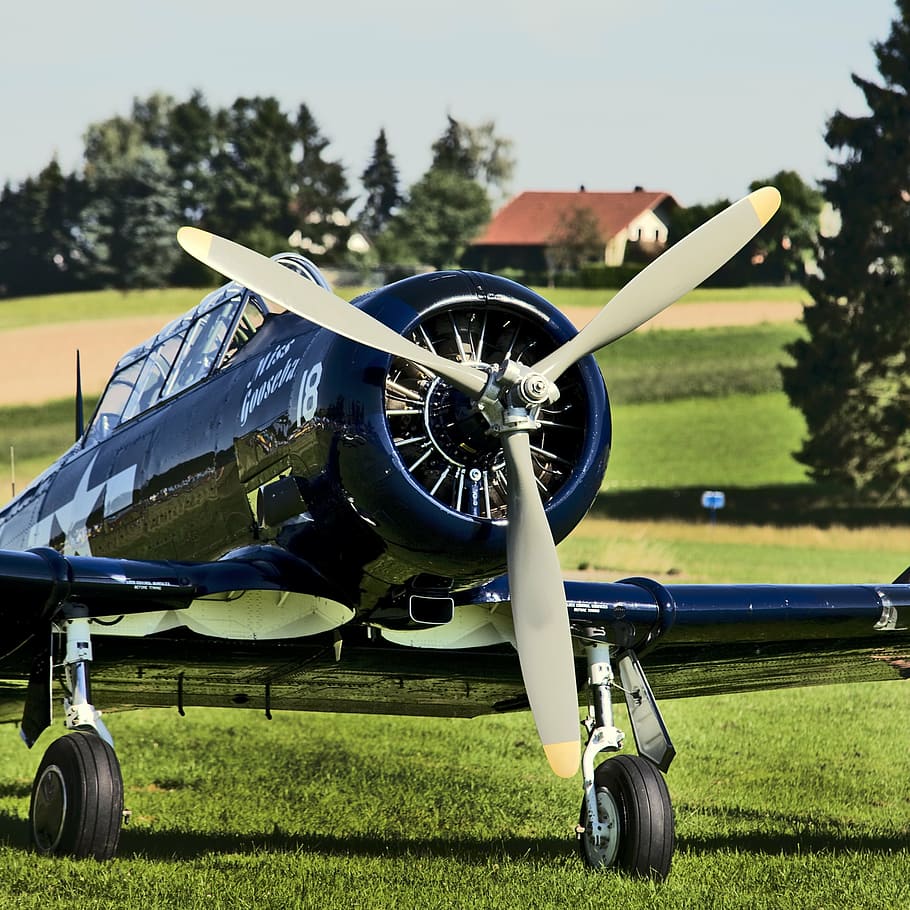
{"x": 697, "y": 97}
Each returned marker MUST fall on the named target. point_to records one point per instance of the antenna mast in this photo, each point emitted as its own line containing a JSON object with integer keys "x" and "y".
{"x": 80, "y": 418}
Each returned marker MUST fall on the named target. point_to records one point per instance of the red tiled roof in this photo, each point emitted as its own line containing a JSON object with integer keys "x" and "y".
{"x": 532, "y": 218}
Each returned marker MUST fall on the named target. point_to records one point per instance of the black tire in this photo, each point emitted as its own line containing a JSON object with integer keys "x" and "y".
{"x": 634, "y": 791}
{"x": 77, "y": 798}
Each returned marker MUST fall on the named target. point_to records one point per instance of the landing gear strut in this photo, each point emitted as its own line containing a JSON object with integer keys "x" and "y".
{"x": 626, "y": 819}
{"x": 77, "y": 798}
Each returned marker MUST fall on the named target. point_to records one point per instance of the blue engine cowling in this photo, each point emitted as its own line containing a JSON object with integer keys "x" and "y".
{"x": 411, "y": 457}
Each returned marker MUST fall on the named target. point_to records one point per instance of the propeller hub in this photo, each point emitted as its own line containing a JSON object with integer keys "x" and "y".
{"x": 535, "y": 389}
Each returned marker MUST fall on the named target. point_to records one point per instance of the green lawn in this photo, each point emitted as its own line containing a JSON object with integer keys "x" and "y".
{"x": 331, "y": 811}
{"x": 743, "y": 440}
{"x": 88, "y": 305}
{"x": 696, "y": 551}
{"x": 23, "y": 311}
{"x": 665, "y": 365}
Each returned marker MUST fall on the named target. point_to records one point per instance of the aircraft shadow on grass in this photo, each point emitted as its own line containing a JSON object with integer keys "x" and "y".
{"x": 781, "y": 505}
{"x": 814, "y": 836}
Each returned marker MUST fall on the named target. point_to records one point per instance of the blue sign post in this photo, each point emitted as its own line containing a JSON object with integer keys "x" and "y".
{"x": 713, "y": 500}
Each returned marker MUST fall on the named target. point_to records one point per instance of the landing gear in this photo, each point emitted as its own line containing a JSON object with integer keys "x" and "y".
{"x": 626, "y": 821}
{"x": 633, "y": 806}
{"x": 77, "y": 798}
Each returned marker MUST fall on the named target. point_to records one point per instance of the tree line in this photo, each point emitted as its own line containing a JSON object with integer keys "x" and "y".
{"x": 250, "y": 171}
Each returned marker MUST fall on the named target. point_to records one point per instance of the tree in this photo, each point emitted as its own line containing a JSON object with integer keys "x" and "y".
{"x": 38, "y": 250}
{"x": 452, "y": 153}
{"x": 380, "y": 180}
{"x": 494, "y": 163}
{"x": 475, "y": 152}
{"x": 128, "y": 224}
{"x": 576, "y": 240}
{"x": 786, "y": 245}
{"x": 850, "y": 376}
{"x": 254, "y": 179}
{"x": 444, "y": 211}
{"x": 320, "y": 196}
{"x": 192, "y": 146}
{"x": 448, "y": 205}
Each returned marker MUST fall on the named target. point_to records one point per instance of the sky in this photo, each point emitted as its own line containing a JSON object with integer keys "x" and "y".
{"x": 694, "y": 97}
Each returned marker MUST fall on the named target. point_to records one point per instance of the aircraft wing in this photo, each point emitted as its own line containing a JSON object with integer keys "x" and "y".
{"x": 707, "y": 639}
{"x": 37, "y": 583}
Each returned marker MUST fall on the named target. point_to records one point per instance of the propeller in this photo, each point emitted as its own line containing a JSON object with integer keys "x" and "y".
{"x": 510, "y": 399}
{"x": 274, "y": 281}
{"x": 684, "y": 266}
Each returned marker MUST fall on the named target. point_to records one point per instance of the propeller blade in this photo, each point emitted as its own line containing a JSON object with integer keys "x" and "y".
{"x": 540, "y": 613}
{"x": 275, "y": 282}
{"x": 675, "y": 272}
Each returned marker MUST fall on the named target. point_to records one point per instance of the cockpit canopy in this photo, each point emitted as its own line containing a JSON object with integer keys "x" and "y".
{"x": 188, "y": 350}
{"x": 183, "y": 353}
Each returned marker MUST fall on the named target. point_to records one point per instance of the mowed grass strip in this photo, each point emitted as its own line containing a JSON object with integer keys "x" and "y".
{"x": 597, "y": 297}
{"x": 17, "y": 312}
{"x": 695, "y": 553}
{"x": 741, "y": 440}
{"x": 667, "y": 365}
{"x": 94, "y": 305}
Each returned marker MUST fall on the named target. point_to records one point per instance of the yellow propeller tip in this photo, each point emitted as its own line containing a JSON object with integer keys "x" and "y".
{"x": 194, "y": 241}
{"x": 765, "y": 201}
{"x": 563, "y": 757}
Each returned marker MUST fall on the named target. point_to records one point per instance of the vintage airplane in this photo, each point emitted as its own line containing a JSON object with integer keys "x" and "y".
{"x": 286, "y": 501}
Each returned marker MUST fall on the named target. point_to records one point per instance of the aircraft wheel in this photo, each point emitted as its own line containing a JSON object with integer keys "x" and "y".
{"x": 77, "y": 798}
{"x": 634, "y": 802}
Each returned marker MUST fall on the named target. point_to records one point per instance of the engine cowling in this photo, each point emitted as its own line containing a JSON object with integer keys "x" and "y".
{"x": 413, "y": 456}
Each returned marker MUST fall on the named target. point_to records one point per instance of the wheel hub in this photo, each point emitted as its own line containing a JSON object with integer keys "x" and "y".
{"x": 601, "y": 852}
{"x": 49, "y": 813}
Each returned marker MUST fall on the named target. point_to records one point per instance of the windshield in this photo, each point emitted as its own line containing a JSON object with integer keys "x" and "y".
{"x": 183, "y": 354}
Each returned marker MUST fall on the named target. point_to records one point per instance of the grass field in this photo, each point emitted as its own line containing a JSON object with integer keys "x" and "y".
{"x": 792, "y": 799}
{"x": 572, "y": 297}
{"x": 22, "y": 311}
{"x": 775, "y": 808}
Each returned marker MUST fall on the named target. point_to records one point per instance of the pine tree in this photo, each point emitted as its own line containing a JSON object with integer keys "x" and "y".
{"x": 128, "y": 224}
{"x": 851, "y": 376}
{"x": 38, "y": 244}
{"x": 380, "y": 181}
{"x": 451, "y": 151}
{"x": 319, "y": 220}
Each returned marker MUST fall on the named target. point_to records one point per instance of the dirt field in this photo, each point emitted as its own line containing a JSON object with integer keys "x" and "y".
{"x": 38, "y": 363}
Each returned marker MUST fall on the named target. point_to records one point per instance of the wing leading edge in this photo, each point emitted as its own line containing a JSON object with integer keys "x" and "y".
{"x": 706, "y": 639}
{"x": 43, "y": 590}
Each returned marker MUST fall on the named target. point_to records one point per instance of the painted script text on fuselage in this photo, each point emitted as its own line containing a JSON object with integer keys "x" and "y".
{"x": 261, "y": 387}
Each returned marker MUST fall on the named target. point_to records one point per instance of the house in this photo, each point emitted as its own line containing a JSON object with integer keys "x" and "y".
{"x": 533, "y": 231}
